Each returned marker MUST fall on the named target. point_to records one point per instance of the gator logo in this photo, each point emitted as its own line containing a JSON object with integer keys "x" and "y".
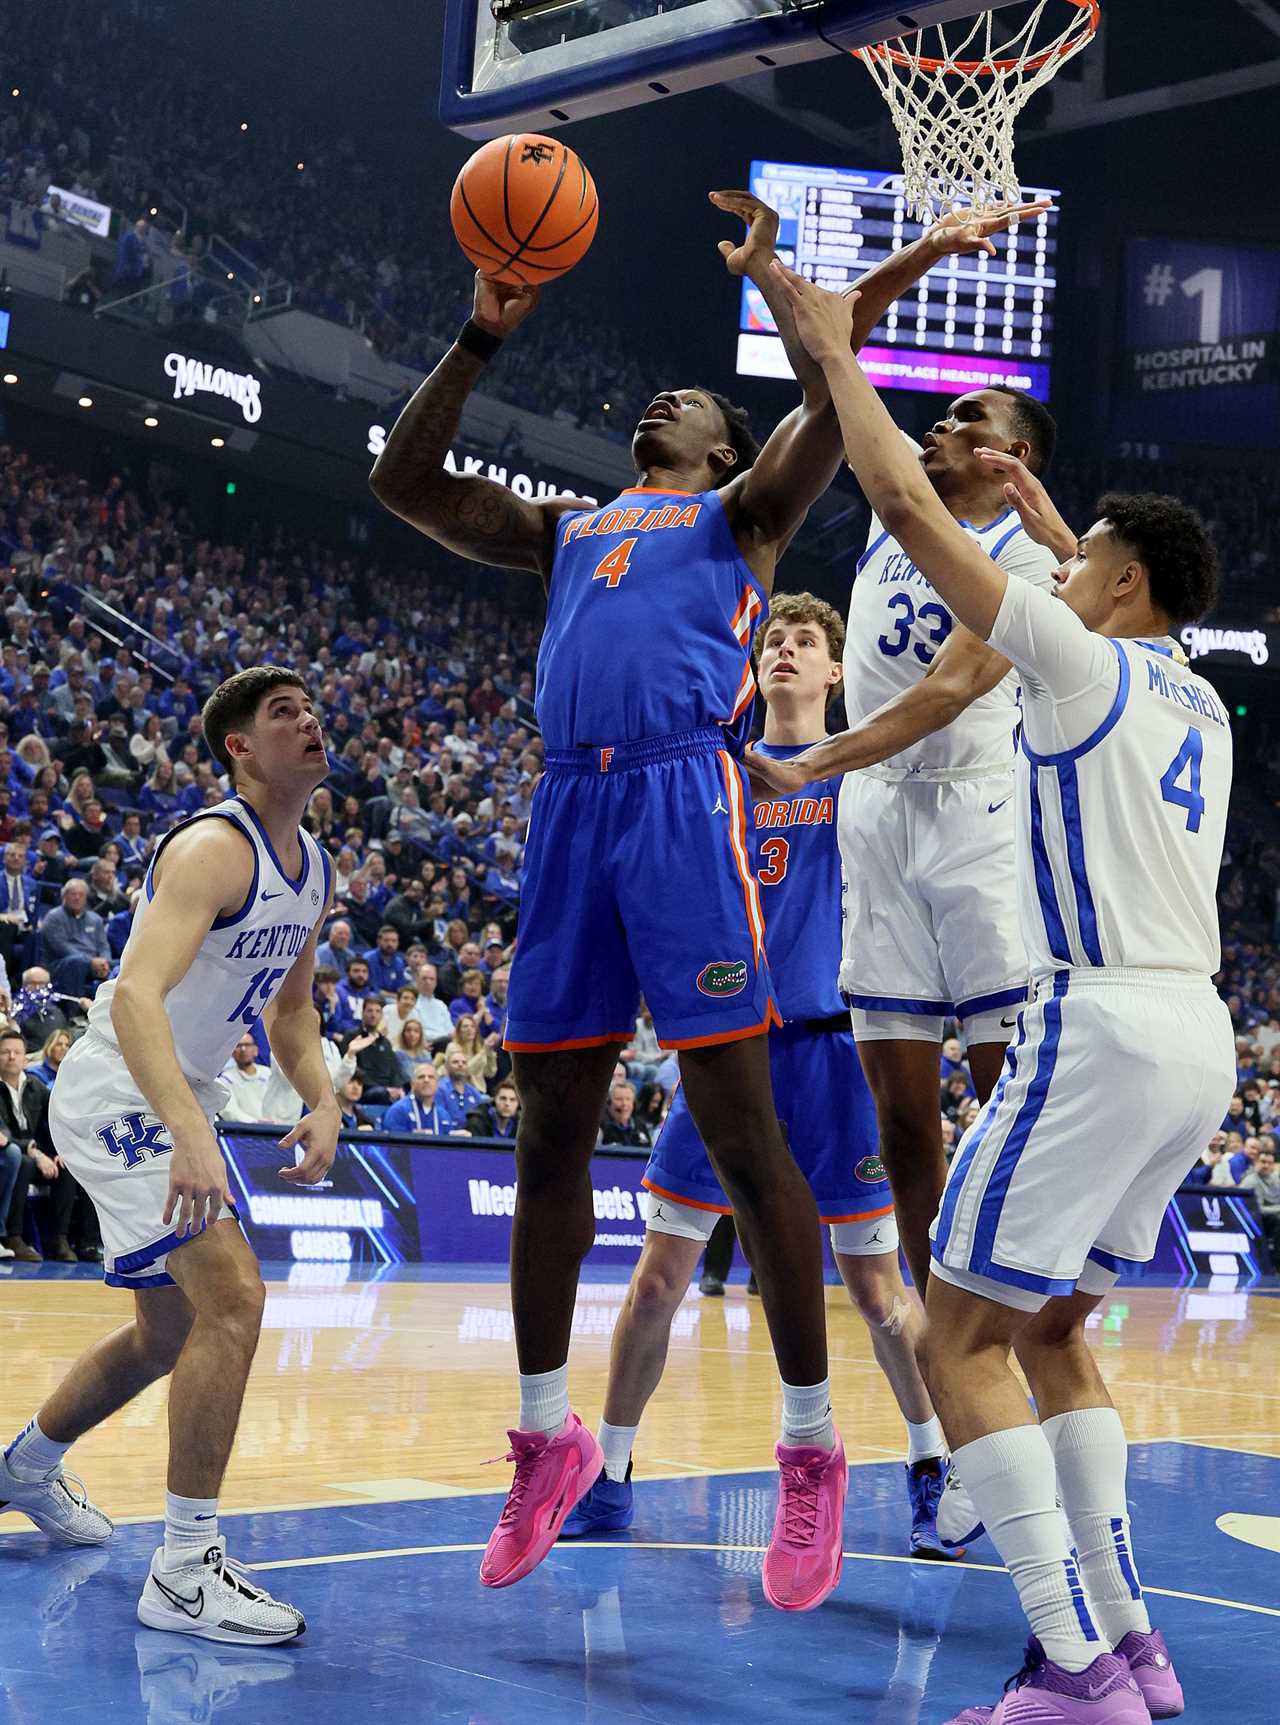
{"x": 723, "y": 979}
{"x": 870, "y": 1170}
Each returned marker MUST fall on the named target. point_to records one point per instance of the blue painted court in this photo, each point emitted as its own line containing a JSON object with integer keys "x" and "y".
{"x": 664, "y": 1624}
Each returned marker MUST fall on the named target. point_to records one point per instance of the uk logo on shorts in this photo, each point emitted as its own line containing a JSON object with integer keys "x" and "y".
{"x": 133, "y": 1137}
{"x": 723, "y": 979}
{"x": 870, "y": 1170}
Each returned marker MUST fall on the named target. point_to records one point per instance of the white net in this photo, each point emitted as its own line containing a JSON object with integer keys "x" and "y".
{"x": 954, "y": 103}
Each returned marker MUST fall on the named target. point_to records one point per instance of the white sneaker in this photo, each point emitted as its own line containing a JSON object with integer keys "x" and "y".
{"x": 215, "y": 1598}
{"x": 958, "y": 1521}
{"x": 57, "y": 1503}
{"x": 6, "y": 1251}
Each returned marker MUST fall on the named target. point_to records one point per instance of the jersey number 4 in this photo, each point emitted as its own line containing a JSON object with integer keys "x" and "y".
{"x": 1187, "y": 760}
{"x": 941, "y": 619}
{"x": 614, "y": 564}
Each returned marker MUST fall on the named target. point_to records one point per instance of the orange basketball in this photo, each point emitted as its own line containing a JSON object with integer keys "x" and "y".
{"x": 524, "y": 208}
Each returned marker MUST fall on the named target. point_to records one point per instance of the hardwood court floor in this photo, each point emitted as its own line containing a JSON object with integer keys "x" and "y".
{"x": 403, "y": 1387}
{"x": 358, "y": 1492}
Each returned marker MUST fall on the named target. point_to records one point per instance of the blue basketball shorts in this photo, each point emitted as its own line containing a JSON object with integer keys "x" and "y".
{"x": 829, "y": 1117}
{"x": 637, "y": 879}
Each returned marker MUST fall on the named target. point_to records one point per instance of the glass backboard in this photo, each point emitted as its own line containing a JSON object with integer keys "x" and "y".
{"x": 534, "y": 65}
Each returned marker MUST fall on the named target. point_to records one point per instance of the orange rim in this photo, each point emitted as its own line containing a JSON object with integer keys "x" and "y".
{"x": 980, "y": 68}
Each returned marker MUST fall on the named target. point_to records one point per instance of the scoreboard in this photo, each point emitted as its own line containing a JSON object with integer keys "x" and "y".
{"x": 971, "y": 322}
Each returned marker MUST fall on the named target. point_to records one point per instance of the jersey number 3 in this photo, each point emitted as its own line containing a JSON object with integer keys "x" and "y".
{"x": 774, "y": 853}
{"x": 894, "y": 646}
{"x": 614, "y": 564}
{"x": 1187, "y": 760}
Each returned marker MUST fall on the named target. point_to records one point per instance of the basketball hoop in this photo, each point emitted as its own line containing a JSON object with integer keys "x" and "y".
{"x": 954, "y": 107}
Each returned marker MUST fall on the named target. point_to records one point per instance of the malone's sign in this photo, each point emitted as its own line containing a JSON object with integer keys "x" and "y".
{"x": 192, "y": 376}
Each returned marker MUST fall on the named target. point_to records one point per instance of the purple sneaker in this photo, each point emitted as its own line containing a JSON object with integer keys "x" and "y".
{"x": 1044, "y": 1694}
{"x": 1153, "y": 1673}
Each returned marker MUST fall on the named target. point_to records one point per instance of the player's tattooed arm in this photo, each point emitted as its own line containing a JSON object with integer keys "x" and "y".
{"x": 470, "y": 515}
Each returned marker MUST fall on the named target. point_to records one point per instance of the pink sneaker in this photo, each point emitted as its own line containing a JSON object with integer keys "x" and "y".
{"x": 552, "y": 1474}
{"x": 804, "y": 1558}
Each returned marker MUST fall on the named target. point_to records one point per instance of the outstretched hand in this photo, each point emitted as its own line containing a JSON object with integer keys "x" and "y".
{"x": 962, "y": 231}
{"x": 1035, "y": 507}
{"x": 824, "y": 321}
{"x": 772, "y": 778}
{"x": 501, "y": 307}
{"x": 756, "y": 250}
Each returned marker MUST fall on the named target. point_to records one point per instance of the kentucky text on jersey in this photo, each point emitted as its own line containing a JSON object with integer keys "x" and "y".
{"x": 803, "y": 812}
{"x": 284, "y": 940}
{"x": 900, "y": 568}
{"x": 1195, "y": 697}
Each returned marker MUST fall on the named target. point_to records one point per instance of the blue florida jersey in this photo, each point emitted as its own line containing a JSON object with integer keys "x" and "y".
{"x": 798, "y": 867}
{"x": 650, "y": 617}
{"x": 244, "y": 958}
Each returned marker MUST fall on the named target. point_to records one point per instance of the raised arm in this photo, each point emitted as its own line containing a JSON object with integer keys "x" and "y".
{"x": 474, "y": 517}
{"x": 970, "y": 584}
{"x": 964, "y": 669}
{"x": 293, "y": 1029}
{"x": 804, "y": 453}
{"x": 203, "y": 875}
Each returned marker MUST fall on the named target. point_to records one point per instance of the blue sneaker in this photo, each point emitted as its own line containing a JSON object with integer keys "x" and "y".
{"x": 609, "y": 1507}
{"x": 925, "y": 1482}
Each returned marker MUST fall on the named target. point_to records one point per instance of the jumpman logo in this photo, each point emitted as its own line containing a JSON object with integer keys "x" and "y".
{"x": 719, "y": 808}
{"x": 657, "y": 1214}
{"x": 874, "y": 1239}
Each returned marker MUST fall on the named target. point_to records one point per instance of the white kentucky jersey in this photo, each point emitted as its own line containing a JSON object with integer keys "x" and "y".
{"x": 246, "y": 955}
{"x": 897, "y": 625}
{"x": 1124, "y": 778}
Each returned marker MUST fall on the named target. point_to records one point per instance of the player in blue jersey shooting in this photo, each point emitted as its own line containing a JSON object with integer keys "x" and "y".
{"x": 1123, "y": 783}
{"x": 637, "y": 875}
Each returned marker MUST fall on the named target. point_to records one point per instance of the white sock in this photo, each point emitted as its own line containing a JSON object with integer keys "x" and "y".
{"x": 616, "y": 1442}
{"x": 1010, "y": 1477}
{"x": 544, "y": 1400}
{"x": 925, "y": 1442}
{"x": 1092, "y": 1459}
{"x": 190, "y": 1528}
{"x": 806, "y": 1415}
{"x": 32, "y": 1455}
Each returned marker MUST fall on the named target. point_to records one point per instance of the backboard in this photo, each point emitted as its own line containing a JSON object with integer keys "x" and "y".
{"x": 533, "y": 65}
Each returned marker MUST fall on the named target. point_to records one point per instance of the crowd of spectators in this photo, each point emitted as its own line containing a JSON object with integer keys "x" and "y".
{"x": 425, "y": 684}
{"x": 312, "y": 210}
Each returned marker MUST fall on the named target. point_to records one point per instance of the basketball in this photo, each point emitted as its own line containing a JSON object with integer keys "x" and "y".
{"x": 524, "y": 208}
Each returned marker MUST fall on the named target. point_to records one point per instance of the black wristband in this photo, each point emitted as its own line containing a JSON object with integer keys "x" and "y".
{"x": 476, "y": 341}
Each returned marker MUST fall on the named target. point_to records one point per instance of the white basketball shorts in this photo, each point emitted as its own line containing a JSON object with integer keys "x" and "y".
{"x": 105, "y": 1131}
{"x": 867, "y": 1238}
{"x": 931, "y": 921}
{"x": 1113, "y": 1086}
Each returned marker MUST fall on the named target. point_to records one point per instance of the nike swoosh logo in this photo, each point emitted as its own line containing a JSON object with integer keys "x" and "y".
{"x": 994, "y": 808}
{"x": 206, "y": 1518}
{"x": 192, "y": 1606}
{"x": 267, "y": 895}
{"x": 1008, "y": 1023}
